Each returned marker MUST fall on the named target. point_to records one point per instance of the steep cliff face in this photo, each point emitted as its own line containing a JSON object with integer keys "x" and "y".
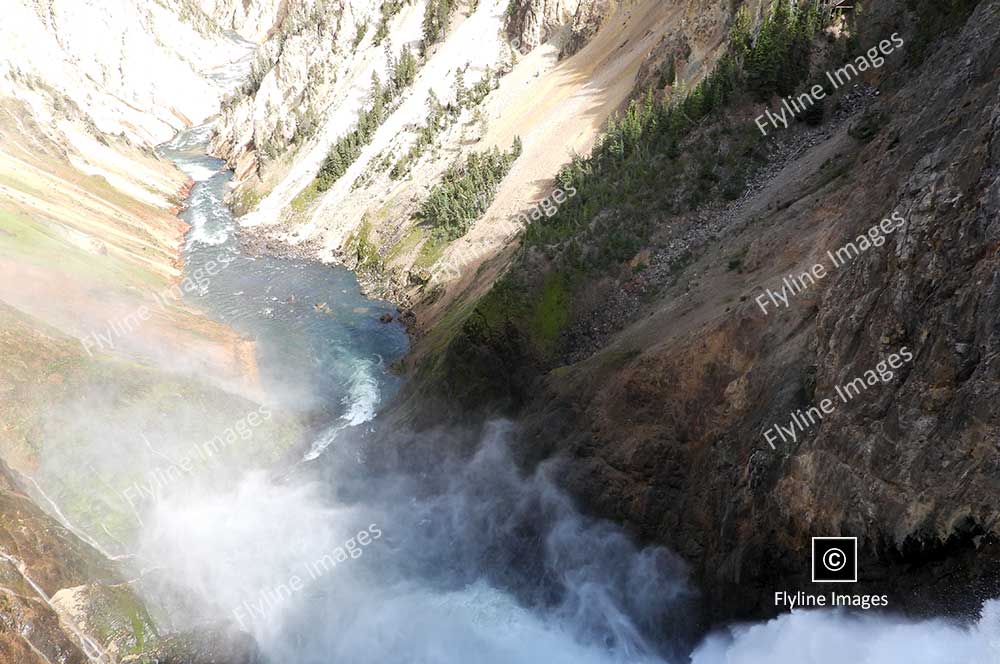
{"x": 88, "y": 236}
{"x": 478, "y": 86}
{"x": 251, "y": 20}
{"x": 659, "y": 366}
{"x": 297, "y": 74}
{"x": 65, "y": 46}
{"x": 533, "y": 22}
{"x": 39, "y": 558}
{"x": 65, "y": 602}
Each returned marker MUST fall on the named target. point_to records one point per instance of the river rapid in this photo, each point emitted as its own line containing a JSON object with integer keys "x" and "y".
{"x": 466, "y": 560}
{"x": 321, "y": 347}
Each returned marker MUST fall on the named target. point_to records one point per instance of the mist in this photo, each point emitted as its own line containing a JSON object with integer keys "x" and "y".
{"x": 832, "y": 637}
{"x": 477, "y": 561}
{"x": 473, "y": 562}
{"x": 331, "y": 544}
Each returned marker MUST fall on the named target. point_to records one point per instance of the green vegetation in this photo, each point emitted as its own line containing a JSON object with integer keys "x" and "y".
{"x": 660, "y": 157}
{"x": 245, "y": 200}
{"x": 778, "y": 59}
{"x": 440, "y": 117}
{"x": 303, "y": 199}
{"x": 121, "y": 617}
{"x": 437, "y": 119}
{"x": 669, "y": 75}
{"x": 360, "y": 34}
{"x": 365, "y": 251}
{"x": 348, "y": 147}
{"x": 551, "y": 314}
{"x": 623, "y": 176}
{"x": 436, "y": 16}
{"x": 430, "y": 251}
{"x": 389, "y": 10}
{"x": 466, "y": 191}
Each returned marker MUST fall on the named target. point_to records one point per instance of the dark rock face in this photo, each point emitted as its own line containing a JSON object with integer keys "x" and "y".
{"x": 672, "y": 444}
{"x": 663, "y": 428}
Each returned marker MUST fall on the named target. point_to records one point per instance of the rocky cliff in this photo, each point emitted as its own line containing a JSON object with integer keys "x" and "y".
{"x": 495, "y": 74}
{"x": 253, "y": 21}
{"x": 656, "y": 330}
{"x": 65, "y": 47}
{"x": 65, "y": 602}
{"x": 88, "y": 236}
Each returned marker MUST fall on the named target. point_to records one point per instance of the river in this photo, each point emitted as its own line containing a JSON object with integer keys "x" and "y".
{"x": 321, "y": 347}
{"x": 467, "y": 560}
{"x": 328, "y": 562}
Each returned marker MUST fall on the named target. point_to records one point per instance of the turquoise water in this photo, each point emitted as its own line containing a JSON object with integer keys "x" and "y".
{"x": 321, "y": 348}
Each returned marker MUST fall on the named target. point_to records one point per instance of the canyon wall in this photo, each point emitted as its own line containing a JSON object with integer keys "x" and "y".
{"x": 89, "y": 235}
{"x": 549, "y": 75}
{"x": 253, "y": 21}
{"x": 647, "y": 341}
{"x": 145, "y": 84}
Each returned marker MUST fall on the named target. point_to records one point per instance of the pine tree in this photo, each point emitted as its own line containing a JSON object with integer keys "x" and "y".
{"x": 670, "y": 75}
{"x": 461, "y": 94}
{"x": 762, "y": 62}
{"x": 739, "y": 36}
{"x": 406, "y": 69}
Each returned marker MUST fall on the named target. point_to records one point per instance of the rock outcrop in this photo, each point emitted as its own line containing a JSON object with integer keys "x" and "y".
{"x": 64, "y": 47}
{"x": 657, "y": 381}
{"x": 532, "y": 22}
{"x": 253, "y": 21}
{"x": 314, "y": 75}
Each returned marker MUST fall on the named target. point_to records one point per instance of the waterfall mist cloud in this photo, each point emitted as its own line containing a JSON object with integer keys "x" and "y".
{"x": 477, "y": 561}
{"x": 833, "y": 637}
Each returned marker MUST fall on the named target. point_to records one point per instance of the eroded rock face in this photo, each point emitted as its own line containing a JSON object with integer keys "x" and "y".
{"x": 61, "y": 600}
{"x": 663, "y": 427}
{"x": 219, "y": 645}
{"x": 292, "y": 81}
{"x": 589, "y": 18}
{"x": 251, "y": 20}
{"x": 65, "y": 46}
{"x": 31, "y": 633}
{"x": 38, "y": 558}
{"x": 532, "y": 22}
{"x": 671, "y": 440}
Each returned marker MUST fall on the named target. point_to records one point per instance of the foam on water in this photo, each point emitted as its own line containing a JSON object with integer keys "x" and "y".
{"x": 191, "y": 140}
{"x": 422, "y": 591}
{"x": 211, "y": 223}
{"x": 360, "y": 405}
{"x": 416, "y": 593}
{"x": 196, "y": 171}
{"x": 834, "y": 637}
